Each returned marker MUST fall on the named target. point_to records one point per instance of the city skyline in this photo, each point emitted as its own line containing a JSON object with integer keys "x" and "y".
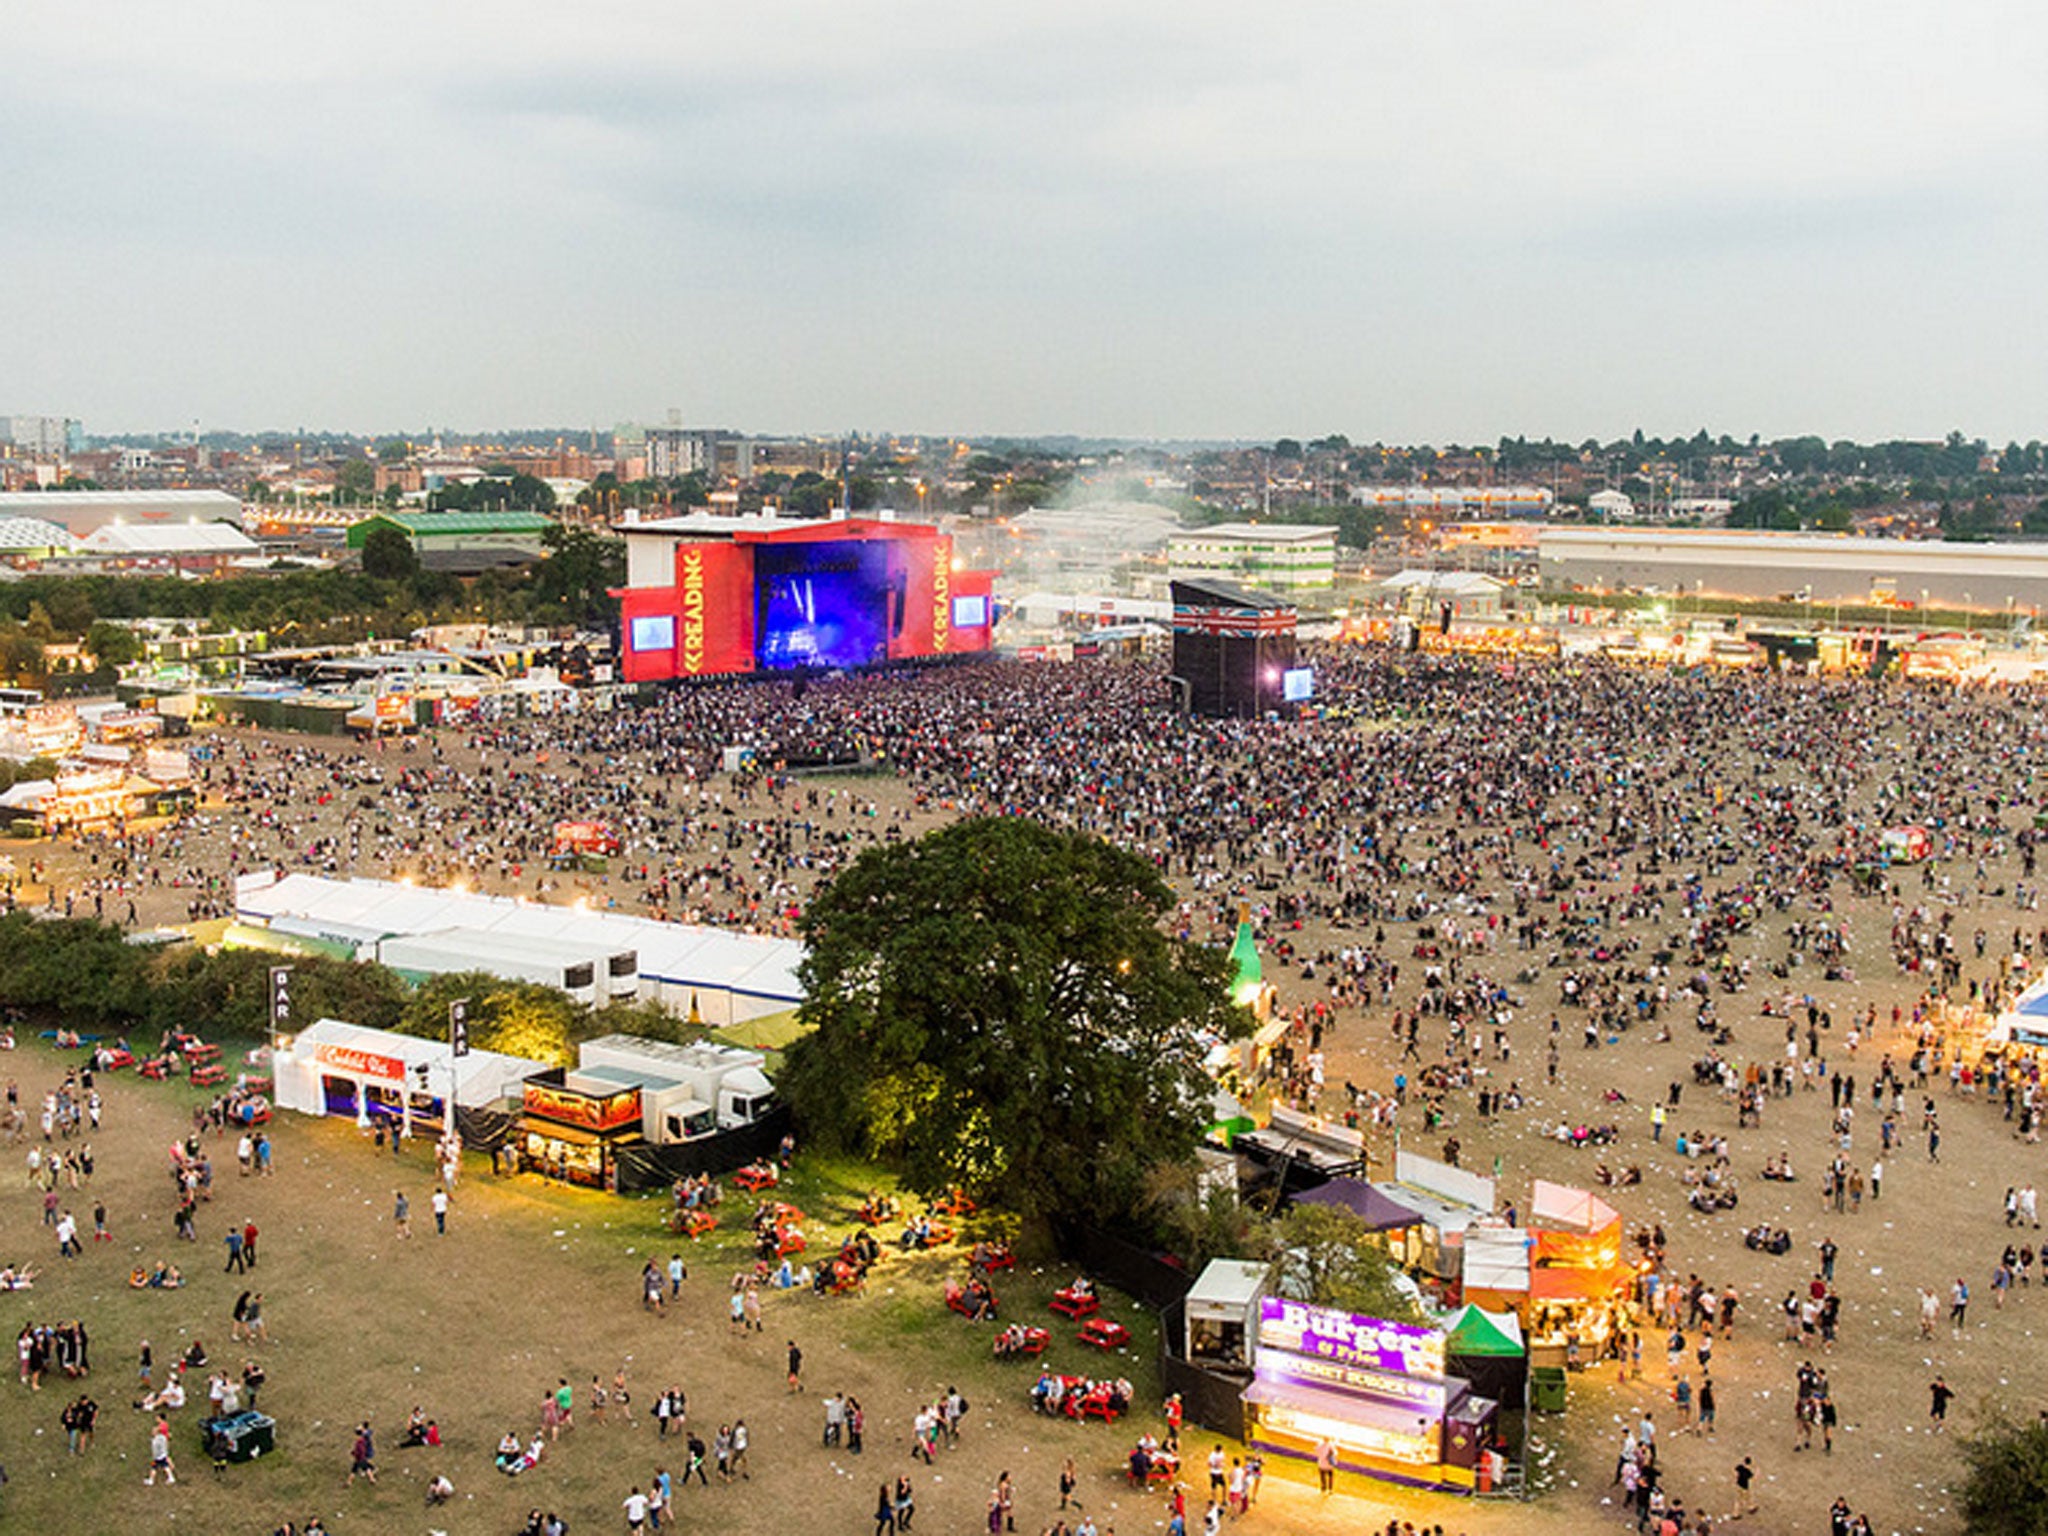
{"x": 1132, "y": 222}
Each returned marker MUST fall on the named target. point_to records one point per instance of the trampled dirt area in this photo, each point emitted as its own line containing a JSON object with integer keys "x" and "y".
{"x": 535, "y": 1283}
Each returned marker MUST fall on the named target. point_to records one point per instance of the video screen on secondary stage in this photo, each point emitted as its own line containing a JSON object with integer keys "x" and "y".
{"x": 654, "y": 632}
{"x": 834, "y": 604}
{"x": 970, "y": 613}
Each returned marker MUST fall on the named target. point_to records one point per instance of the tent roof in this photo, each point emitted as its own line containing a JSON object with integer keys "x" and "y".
{"x": 1380, "y": 1212}
{"x": 750, "y": 965}
{"x": 1560, "y": 1205}
{"x": 1475, "y": 1331}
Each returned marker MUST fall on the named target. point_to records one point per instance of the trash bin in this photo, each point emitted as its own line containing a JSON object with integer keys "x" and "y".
{"x": 1547, "y": 1389}
{"x": 242, "y": 1437}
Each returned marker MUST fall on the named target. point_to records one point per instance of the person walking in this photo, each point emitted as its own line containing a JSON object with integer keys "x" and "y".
{"x": 235, "y": 1265}
{"x": 796, "y": 1367}
{"x": 249, "y": 1244}
{"x": 362, "y": 1455}
{"x": 1745, "y": 1499}
{"x": 885, "y": 1513}
{"x": 1326, "y": 1466}
{"x": 160, "y": 1453}
{"x": 440, "y": 1204}
{"x": 1940, "y": 1395}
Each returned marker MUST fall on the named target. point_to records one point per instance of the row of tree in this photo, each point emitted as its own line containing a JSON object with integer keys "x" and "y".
{"x": 88, "y": 976}
{"x": 390, "y": 595}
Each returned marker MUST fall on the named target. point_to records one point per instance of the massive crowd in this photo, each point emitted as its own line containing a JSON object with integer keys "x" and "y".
{"x": 1453, "y": 860}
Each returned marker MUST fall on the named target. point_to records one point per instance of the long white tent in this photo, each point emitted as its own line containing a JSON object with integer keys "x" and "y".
{"x": 722, "y": 976}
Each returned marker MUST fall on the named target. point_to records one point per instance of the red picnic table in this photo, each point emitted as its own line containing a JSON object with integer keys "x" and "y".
{"x": 1104, "y": 1333}
{"x": 1075, "y": 1303}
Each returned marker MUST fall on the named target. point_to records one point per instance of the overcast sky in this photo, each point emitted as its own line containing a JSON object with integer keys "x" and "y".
{"x": 1416, "y": 221}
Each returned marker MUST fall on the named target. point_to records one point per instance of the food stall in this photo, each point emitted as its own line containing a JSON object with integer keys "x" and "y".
{"x": 570, "y": 1128}
{"x": 1448, "y": 1201}
{"x": 1578, "y": 1278}
{"x": 1377, "y": 1390}
{"x": 369, "y": 1075}
{"x": 2021, "y": 1027}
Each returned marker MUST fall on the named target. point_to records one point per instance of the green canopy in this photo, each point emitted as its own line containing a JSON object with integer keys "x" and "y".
{"x": 1471, "y": 1331}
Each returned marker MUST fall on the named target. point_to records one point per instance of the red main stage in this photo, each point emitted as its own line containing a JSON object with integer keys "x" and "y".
{"x": 709, "y": 596}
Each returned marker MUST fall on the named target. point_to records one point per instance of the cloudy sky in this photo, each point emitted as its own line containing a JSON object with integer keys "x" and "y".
{"x": 1439, "y": 221}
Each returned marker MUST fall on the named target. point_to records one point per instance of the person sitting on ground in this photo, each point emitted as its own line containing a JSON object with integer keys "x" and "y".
{"x": 507, "y": 1459}
{"x": 415, "y": 1429}
{"x": 195, "y": 1357}
{"x": 440, "y": 1490}
{"x": 171, "y": 1397}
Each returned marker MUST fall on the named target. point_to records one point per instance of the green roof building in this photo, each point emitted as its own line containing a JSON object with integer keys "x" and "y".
{"x": 463, "y": 541}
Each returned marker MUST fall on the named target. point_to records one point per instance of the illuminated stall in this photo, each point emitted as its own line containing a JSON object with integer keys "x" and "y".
{"x": 571, "y": 1128}
{"x": 1376, "y": 1390}
{"x": 1578, "y": 1277}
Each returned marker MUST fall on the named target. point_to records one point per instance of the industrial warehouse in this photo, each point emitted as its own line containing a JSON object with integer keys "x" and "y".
{"x": 1820, "y": 568}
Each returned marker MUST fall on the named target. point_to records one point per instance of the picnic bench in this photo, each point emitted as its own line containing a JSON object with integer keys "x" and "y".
{"x": 1105, "y": 1333}
{"x": 1075, "y": 1303}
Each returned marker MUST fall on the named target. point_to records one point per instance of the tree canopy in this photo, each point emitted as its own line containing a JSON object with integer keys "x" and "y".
{"x": 2005, "y": 1478}
{"x": 996, "y": 1006}
{"x": 1328, "y": 1258}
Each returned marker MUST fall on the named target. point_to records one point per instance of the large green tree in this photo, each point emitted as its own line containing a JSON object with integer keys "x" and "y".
{"x": 2005, "y": 1478}
{"x": 388, "y": 554}
{"x": 997, "y": 1005}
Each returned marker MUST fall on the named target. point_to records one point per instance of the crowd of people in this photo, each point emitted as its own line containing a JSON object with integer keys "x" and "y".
{"x": 1456, "y": 863}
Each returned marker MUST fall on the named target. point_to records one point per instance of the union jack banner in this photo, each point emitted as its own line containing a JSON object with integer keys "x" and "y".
{"x": 1242, "y": 623}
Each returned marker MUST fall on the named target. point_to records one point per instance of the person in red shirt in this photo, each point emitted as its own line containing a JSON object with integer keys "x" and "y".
{"x": 1173, "y": 1417}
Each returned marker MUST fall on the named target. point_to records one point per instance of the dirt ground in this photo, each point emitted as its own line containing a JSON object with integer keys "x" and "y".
{"x": 536, "y": 1283}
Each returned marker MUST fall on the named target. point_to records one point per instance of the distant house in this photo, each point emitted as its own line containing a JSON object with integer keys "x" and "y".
{"x": 1611, "y": 507}
{"x": 463, "y": 543}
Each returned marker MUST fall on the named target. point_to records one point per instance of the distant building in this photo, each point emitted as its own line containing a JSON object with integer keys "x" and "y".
{"x": 83, "y": 511}
{"x": 1820, "y": 568}
{"x": 1283, "y": 557}
{"x": 1457, "y": 500}
{"x": 192, "y": 547}
{"x": 39, "y": 436}
{"x": 1611, "y": 507}
{"x": 675, "y": 451}
{"x": 26, "y": 540}
{"x": 463, "y": 542}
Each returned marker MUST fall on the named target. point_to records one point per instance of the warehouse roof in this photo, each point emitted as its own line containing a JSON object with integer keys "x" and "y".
{"x": 168, "y": 539}
{"x": 444, "y": 525}
{"x": 32, "y": 533}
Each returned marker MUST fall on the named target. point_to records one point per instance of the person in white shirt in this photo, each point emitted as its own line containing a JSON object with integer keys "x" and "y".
{"x": 636, "y": 1510}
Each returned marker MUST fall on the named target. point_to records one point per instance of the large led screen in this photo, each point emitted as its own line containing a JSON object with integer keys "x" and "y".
{"x": 833, "y": 604}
